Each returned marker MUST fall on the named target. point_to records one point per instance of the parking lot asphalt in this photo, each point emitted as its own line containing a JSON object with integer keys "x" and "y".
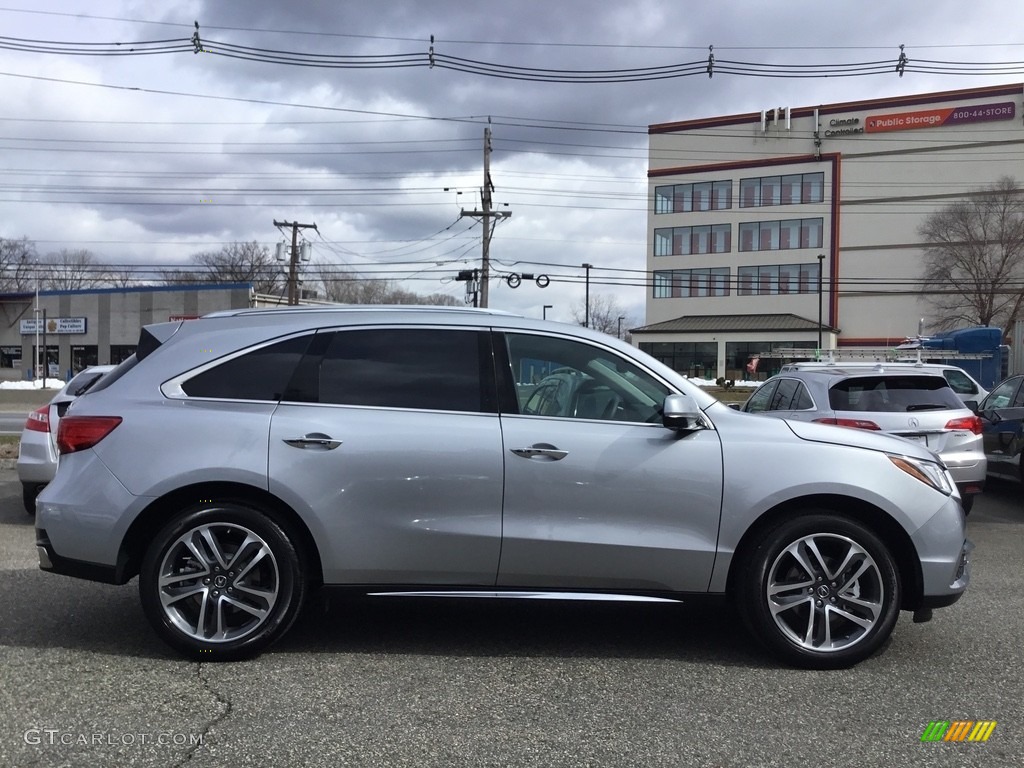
{"x": 84, "y": 682}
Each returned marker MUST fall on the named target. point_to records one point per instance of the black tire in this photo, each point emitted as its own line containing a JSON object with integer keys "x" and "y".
{"x": 782, "y": 572}
{"x": 254, "y": 606}
{"x": 29, "y": 492}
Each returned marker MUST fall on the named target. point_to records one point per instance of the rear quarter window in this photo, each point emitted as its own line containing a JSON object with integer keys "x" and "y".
{"x": 261, "y": 374}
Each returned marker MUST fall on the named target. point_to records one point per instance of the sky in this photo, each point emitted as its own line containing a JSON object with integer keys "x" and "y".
{"x": 330, "y": 113}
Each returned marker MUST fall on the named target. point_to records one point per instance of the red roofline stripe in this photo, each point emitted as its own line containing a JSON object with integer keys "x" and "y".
{"x": 848, "y": 106}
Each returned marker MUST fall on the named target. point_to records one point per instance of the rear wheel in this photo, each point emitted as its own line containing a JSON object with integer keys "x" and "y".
{"x": 820, "y": 591}
{"x": 221, "y": 582}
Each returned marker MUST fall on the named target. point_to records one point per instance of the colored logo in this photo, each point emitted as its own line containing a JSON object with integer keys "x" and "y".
{"x": 930, "y": 118}
{"x": 958, "y": 730}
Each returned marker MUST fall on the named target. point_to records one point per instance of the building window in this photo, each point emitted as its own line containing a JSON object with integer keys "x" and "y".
{"x": 691, "y": 283}
{"x": 780, "y": 235}
{"x": 692, "y": 358}
{"x": 682, "y": 241}
{"x": 792, "y": 189}
{"x": 755, "y": 359}
{"x": 701, "y": 196}
{"x": 775, "y": 279}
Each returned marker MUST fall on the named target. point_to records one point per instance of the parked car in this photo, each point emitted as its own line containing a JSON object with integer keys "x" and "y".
{"x": 905, "y": 401}
{"x": 1002, "y": 414}
{"x": 960, "y": 381}
{"x": 238, "y": 461}
{"x": 37, "y": 451}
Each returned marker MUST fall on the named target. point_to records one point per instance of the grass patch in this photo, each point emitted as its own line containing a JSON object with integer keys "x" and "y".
{"x": 9, "y": 446}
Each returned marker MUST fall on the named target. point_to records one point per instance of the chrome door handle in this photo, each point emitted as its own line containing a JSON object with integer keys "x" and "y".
{"x": 541, "y": 451}
{"x": 314, "y": 440}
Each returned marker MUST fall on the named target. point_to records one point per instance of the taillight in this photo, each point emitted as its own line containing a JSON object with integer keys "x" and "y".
{"x": 39, "y": 420}
{"x": 76, "y": 433}
{"x": 970, "y": 423}
{"x": 855, "y": 423}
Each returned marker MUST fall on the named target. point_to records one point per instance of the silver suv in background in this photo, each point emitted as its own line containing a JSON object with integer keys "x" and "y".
{"x": 966, "y": 386}
{"x": 240, "y": 460}
{"x": 900, "y": 399}
{"x": 37, "y": 449}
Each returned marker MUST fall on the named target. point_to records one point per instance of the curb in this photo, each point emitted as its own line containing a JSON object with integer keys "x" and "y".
{"x": 8, "y": 463}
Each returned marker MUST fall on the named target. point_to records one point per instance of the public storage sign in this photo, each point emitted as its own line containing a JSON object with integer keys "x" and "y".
{"x": 932, "y": 118}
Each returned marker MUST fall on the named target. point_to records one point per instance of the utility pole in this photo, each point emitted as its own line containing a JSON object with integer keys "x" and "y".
{"x": 485, "y": 214}
{"x": 293, "y": 266}
{"x": 586, "y": 300}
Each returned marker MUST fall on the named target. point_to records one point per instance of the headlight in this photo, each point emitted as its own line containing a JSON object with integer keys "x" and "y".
{"x": 928, "y": 472}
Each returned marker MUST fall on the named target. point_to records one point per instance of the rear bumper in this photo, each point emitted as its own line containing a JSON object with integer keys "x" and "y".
{"x": 50, "y": 561}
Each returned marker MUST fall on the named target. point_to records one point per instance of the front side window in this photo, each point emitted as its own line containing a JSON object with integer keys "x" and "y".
{"x": 761, "y": 400}
{"x": 564, "y": 378}
{"x": 423, "y": 368}
{"x": 1002, "y": 396}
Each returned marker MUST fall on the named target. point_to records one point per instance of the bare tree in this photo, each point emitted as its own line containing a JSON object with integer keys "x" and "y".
{"x": 18, "y": 267}
{"x": 121, "y": 277}
{"x": 974, "y": 259}
{"x": 70, "y": 270}
{"x": 234, "y": 263}
{"x": 347, "y": 286}
{"x": 605, "y": 312}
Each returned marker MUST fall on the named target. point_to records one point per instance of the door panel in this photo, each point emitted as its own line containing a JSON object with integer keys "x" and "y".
{"x": 408, "y": 497}
{"x": 629, "y": 506}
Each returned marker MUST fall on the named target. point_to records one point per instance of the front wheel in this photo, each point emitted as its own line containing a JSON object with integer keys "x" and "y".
{"x": 222, "y": 581}
{"x": 820, "y": 591}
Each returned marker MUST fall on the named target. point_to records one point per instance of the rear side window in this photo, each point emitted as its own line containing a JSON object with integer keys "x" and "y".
{"x": 896, "y": 394}
{"x": 960, "y": 382}
{"x": 423, "y": 368}
{"x": 261, "y": 374}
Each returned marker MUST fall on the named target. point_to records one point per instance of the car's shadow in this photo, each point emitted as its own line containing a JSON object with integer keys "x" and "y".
{"x": 532, "y": 627}
{"x": 44, "y": 611}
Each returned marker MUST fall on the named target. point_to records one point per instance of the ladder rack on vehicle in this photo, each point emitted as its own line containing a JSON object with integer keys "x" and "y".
{"x": 878, "y": 354}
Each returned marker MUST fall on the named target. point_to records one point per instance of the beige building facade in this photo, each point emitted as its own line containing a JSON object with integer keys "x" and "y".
{"x": 100, "y": 326}
{"x": 798, "y": 227}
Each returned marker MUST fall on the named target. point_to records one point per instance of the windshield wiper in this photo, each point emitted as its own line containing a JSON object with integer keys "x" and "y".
{"x": 927, "y": 407}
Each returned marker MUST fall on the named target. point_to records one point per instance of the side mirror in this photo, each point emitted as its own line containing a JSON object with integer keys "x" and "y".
{"x": 973, "y": 405}
{"x": 680, "y": 412}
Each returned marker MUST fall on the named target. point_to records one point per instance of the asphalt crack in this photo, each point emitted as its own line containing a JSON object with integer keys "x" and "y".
{"x": 226, "y": 708}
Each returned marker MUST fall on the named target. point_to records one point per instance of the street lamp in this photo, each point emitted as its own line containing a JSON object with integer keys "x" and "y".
{"x": 35, "y": 363}
{"x": 821, "y": 269}
{"x": 586, "y": 307}
{"x": 545, "y": 310}
{"x": 619, "y": 334}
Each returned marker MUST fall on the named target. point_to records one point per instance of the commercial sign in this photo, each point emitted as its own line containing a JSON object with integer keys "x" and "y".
{"x": 933, "y": 118}
{"x": 53, "y": 325}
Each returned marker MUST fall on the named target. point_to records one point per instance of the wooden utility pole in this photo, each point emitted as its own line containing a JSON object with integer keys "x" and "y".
{"x": 293, "y": 266}
{"x": 486, "y": 215}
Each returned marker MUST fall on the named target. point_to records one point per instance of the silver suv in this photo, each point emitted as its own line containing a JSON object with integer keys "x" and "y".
{"x": 909, "y": 402}
{"x": 238, "y": 461}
